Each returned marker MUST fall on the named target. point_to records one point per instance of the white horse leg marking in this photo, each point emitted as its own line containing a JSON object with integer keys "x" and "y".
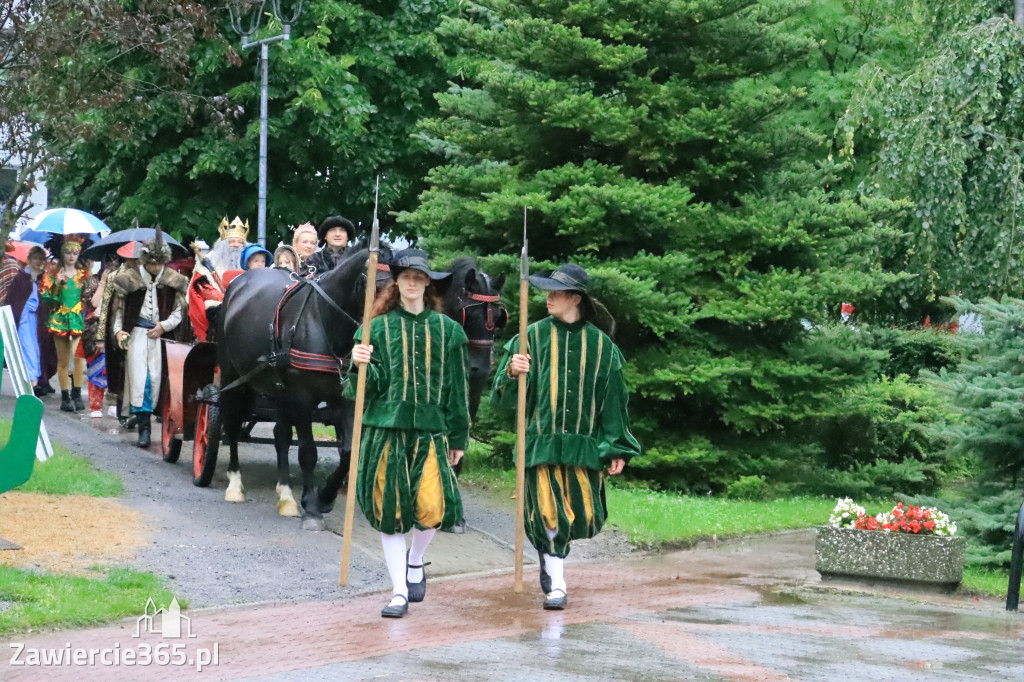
{"x": 235, "y": 491}
{"x": 285, "y": 502}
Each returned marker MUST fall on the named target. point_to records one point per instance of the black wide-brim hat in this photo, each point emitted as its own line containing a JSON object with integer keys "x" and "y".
{"x": 336, "y": 221}
{"x": 415, "y": 259}
{"x": 565, "y": 278}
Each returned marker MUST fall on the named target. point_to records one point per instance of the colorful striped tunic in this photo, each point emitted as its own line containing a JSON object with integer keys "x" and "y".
{"x": 576, "y": 424}
{"x": 417, "y": 408}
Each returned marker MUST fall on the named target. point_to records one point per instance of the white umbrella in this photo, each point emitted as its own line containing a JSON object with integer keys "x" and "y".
{"x": 68, "y": 221}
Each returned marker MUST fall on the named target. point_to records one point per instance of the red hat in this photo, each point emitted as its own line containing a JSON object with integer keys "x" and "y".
{"x": 130, "y": 250}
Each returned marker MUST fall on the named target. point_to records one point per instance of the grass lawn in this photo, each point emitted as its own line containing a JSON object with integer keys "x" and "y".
{"x": 985, "y": 581}
{"x": 66, "y": 474}
{"x": 49, "y": 601}
{"x": 38, "y": 600}
{"x": 650, "y": 518}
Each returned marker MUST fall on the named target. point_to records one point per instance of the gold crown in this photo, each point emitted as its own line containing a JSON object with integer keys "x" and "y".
{"x": 233, "y": 229}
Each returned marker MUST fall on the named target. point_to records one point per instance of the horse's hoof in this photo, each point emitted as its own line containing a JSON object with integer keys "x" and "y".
{"x": 312, "y": 523}
{"x": 287, "y": 508}
{"x": 234, "y": 496}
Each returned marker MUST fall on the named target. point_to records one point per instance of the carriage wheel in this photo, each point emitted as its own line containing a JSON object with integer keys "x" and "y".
{"x": 170, "y": 447}
{"x": 206, "y": 444}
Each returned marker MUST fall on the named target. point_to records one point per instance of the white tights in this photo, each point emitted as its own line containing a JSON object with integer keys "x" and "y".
{"x": 394, "y": 555}
{"x": 555, "y": 567}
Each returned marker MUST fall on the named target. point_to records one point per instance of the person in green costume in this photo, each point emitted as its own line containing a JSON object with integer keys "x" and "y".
{"x": 62, "y": 290}
{"x": 577, "y": 426}
{"x": 415, "y": 422}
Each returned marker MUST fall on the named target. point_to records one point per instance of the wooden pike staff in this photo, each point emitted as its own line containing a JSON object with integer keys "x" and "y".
{"x": 524, "y": 295}
{"x": 357, "y": 422}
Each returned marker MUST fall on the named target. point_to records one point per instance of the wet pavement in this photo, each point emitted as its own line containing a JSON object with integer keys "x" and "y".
{"x": 750, "y": 610}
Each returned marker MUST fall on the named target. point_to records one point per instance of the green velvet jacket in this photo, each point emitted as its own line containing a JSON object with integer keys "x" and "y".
{"x": 416, "y": 378}
{"x": 576, "y": 398}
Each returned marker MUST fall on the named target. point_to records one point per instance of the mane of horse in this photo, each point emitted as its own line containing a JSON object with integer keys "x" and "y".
{"x": 356, "y": 252}
{"x": 459, "y": 269}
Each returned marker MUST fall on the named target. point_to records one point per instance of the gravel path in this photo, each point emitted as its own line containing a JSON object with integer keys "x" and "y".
{"x": 215, "y": 553}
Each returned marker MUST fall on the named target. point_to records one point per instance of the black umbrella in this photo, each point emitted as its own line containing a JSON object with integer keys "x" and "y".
{"x": 115, "y": 240}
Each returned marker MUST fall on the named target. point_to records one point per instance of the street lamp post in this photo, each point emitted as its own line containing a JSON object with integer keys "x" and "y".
{"x": 246, "y": 26}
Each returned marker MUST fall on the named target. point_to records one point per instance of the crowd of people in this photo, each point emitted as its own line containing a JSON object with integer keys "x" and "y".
{"x": 66, "y": 310}
{"x": 105, "y": 328}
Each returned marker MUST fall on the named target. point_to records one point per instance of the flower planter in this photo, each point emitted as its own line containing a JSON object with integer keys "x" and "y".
{"x": 905, "y": 557}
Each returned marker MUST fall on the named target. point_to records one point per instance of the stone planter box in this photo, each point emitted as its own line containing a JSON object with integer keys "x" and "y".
{"x": 904, "y": 557}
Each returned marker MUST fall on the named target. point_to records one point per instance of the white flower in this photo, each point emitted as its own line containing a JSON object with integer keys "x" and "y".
{"x": 845, "y": 513}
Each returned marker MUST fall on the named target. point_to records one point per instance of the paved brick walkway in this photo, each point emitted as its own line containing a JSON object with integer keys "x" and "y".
{"x": 746, "y": 612}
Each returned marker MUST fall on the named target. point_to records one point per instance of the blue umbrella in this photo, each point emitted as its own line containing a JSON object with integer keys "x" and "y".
{"x": 68, "y": 221}
{"x": 34, "y": 236}
{"x": 115, "y": 240}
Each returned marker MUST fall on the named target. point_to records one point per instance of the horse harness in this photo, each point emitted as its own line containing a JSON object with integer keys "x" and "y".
{"x": 492, "y": 302}
{"x": 282, "y": 354}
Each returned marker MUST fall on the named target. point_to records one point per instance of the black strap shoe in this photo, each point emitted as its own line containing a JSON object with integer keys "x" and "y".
{"x": 545, "y": 579}
{"x": 395, "y": 610}
{"x": 417, "y": 591}
{"x": 556, "y": 600}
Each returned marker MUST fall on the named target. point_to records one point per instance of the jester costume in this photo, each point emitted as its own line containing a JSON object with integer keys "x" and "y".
{"x": 576, "y": 424}
{"x": 417, "y": 408}
{"x": 65, "y": 299}
{"x": 65, "y": 325}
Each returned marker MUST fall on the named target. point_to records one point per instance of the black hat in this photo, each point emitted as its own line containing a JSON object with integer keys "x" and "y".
{"x": 566, "y": 278}
{"x": 336, "y": 221}
{"x": 415, "y": 260}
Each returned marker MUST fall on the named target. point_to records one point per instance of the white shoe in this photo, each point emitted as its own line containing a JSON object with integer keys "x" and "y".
{"x": 112, "y": 410}
{"x": 96, "y": 413}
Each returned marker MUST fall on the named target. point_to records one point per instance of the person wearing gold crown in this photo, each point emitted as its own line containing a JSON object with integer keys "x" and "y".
{"x": 212, "y": 275}
{"x": 149, "y": 302}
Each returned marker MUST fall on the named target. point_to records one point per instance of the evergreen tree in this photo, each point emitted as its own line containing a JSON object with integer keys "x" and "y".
{"x": 988, "y": 392}
{"x": 647, "y": 138}
{"x": 987, "y": 428}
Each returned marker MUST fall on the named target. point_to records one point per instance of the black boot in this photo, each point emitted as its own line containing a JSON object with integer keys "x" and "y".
{"x": 76, "y": 398}
{"x": 65, "y": 402}
{"x": 144, "y": 428}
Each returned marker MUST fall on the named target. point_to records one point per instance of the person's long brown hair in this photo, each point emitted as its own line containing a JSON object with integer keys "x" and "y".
{"x": 593, "y": 311}
{"x": 390, "y": 298}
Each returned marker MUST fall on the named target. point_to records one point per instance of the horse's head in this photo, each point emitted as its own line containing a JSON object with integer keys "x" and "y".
{"x": 345, "y": 285}
{"x": 472, "y": 300}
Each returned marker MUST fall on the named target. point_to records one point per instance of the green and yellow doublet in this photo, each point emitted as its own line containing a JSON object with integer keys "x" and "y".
{"x": 417, "y": 408}
{"x": 576, "y": 424}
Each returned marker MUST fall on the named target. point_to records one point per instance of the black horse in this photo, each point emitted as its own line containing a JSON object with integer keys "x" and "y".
{"x": 282, "y": 341}
{"x": 472, "y": 301}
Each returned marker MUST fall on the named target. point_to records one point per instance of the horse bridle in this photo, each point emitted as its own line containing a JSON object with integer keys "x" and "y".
{"x": 491, "y": 301}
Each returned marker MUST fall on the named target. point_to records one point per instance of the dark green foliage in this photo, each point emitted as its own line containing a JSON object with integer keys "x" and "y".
{"x": 986, "y": 515}
{"x": 646, "y": 138}
{"x": 344, "y": 97}
{"x": 948, "y": 122}
{"x": 911, "y": 350}
{"x": 988, "y": 392}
